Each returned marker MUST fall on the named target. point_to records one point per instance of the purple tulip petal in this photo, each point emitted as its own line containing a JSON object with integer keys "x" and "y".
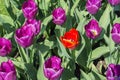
{"x": 59, "y": 16}
{"x": 93, "y": 6}
{"x": 52, "y": 68}
{"x": 5, "y": 46}
{"x": 114, "y": 2}
{"x": 29, "y": 9}
{"x": 113, "y": 72}
{"x": 92, "y": 29}
{"x": 115, "y": 33}
{"x": 7, "y": 71}
{"x": 10, "y": 76}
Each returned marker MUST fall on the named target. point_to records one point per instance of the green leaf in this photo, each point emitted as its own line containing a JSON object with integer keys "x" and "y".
{"x": 2, "y": 59}
{"x": 64, "y": 52}
{"x": 84, "y": 76}
{"x": 64, "y": 5}
{"x": 95, "y": 75}
{"x": 44, "y": 23}
{"x": 105, "y": 18}
{"x": 31, "y": 71}
{"x": 117, "y": 20}
{"x": 23, "y": 54}
{"x": 4, "y": 19}
{"x": 98, "y": 52}
{"x": 80, "y": 47}
{"x": 74, "y": 7}
{"x": 8, "y": 36}
{"x": 40, "y": 73}
{"x": 48, "y": 44}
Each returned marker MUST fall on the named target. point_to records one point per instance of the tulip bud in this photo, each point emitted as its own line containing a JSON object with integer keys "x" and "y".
{"x": 5, "y": 46}
{"x": 7, "y": 71}
{"x": 24, "y": 36}
{"x": 113, "y": 72}
{"x": 116, "y": 33}
{"x": 52, "y": 68}
{"x": 70, "y": 39}
{"x": 93, "y": 6}
{"x": 34, "y": 24}
{"x": 59, "y": 16}
{"x": 93, "y": 29}
{"x": 114, "y": 2}
{"x": 29, "y": 9}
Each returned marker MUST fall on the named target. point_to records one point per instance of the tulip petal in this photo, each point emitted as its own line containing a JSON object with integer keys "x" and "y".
{"x": 10, "y": 76}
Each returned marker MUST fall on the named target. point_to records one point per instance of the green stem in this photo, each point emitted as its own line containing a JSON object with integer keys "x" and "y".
{"x": 90, "y": 54}
{"x": 23, "y": 54}
{"x": 118, "y": 56}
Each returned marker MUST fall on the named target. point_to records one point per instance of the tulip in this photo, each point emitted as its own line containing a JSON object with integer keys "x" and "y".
{"x": 5, "y": 46}
{"x": 59, "y": 16}
{"x": 34, "y": 24}
{"x": 116, "y": 33}
{"x": 24, "y": 36}
{"x": 52, "y": 68}
{"x": 70, "y": 39}
{"x": 113, "y": 72}
{"x": 7, "y": 71}
{"x": 93, "y": 6}
{"x": 93, "y": 29}
{"x": 114, "y": 2}
{"x": 29, "y": 9}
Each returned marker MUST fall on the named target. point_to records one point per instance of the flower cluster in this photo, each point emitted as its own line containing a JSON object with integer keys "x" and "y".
{"x": 60, "y": 49}
{"x": 24, "y": 36}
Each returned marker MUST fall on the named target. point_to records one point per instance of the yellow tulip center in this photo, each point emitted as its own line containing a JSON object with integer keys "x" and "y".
{"x": 94, "y": 32}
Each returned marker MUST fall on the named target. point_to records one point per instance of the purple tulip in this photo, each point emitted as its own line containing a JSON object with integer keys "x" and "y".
{"x": 113, "y": 72}
{"x": 24, "y": 36}
{"x": 93, "y": 6}
{"x": 7, "y": 71}
{"x": 35, "y": 24}
{"x": 116, "y": 33}
{"x": 52, "y": 68}
{"x": 29, "y": 9}
{"x": 59, "y": 16}
{"x": 93, "y": 29}
{"x": 114, "y": 2}
{"x": 5, "y": 46}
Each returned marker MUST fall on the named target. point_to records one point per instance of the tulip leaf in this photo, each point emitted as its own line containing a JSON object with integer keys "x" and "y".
{"x": 64, "y": 52}
{"x": 98, "y": 52}
{"x": 3, "y": 59}
{"x": 44, "y": 23}
{"x": 4, "y": 19}
{"x": 40, "y": 73}
{"x": 117, "y": 20}
{"x": 74, "y": 7}
{"x": 8, "y": 36}
{"x": 80, "y": 47}
{"x": 2, "y": 8}
{"x": 23, "y": 55}
{"x": 64, "y": 5}
{"x": 31, "y": 71}
{"x": 105, "y": 18}
{"x": 84, "y": 76}
{"x": 94, "y": 75}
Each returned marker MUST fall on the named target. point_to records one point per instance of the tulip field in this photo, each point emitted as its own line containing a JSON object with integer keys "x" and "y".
{"x": 59, "y": 39}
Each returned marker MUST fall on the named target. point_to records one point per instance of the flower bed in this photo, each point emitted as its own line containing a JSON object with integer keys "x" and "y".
{"x": 60, "y": 40}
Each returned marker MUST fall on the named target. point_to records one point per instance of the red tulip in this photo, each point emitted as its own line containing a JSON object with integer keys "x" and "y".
{"x": 70, "y": 39}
